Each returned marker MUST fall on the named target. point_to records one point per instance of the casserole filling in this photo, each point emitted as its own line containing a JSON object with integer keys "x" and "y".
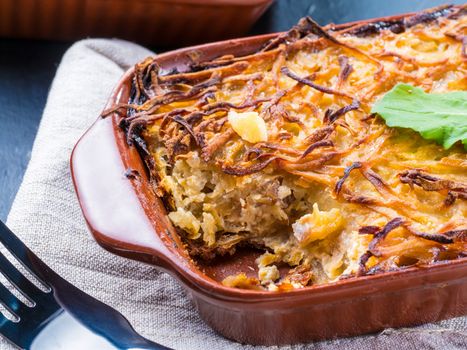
{"x": 279, "y": 150}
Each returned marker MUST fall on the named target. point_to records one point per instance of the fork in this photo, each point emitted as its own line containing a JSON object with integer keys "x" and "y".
{"x": 58, "y": 315}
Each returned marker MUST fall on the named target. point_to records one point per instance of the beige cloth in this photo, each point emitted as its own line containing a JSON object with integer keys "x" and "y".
{"x": 47, "y": 217}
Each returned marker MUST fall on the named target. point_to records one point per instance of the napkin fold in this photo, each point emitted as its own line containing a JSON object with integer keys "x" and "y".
{"x": 47, "y": 217}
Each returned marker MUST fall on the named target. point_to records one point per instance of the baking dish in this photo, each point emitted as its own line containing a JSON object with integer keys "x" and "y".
{"x": 128, "y": 219}
{"x": 161, "y": 22}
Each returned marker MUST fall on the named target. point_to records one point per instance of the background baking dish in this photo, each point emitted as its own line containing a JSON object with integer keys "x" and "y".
{"x": 161, "y": 22}
{"x": 126, "y": 218}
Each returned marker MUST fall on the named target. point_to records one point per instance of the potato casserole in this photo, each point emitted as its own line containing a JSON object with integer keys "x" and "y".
{"x": 278, "y": 150}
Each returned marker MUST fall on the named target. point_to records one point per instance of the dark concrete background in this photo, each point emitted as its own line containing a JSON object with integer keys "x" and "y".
{"x": 27, "y": 68}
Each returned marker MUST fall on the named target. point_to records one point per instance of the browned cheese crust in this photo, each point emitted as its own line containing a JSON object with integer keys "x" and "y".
{"x": 279, "y": 150}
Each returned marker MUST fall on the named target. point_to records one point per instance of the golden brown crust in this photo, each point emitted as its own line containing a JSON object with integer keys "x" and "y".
{"x": 314, "y": 88}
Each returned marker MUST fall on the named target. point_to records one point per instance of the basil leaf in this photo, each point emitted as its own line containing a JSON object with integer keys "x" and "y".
{"x": 438, "y": 117}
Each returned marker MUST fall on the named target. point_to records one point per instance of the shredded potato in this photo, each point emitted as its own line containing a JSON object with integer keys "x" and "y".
{"x": 318, "y": 182}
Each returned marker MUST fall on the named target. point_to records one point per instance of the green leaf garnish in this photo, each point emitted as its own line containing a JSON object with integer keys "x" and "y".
{"x": 438, "y": 117}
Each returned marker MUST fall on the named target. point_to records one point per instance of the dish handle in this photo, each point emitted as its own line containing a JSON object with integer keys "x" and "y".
{"x": 114, "y": 197}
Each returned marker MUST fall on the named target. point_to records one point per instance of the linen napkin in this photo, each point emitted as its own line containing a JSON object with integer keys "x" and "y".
{"x": 47, "y": 217}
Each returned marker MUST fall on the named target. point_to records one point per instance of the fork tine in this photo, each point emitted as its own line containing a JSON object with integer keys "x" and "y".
{"x": 16, "y": 278}
{"x": 6, "y": 329}
{"x": 10, "y": 301}
{"x": 19, "y": 251}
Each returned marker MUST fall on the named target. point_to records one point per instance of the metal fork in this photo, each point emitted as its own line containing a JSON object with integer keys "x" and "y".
{"x": 61, "y": 316}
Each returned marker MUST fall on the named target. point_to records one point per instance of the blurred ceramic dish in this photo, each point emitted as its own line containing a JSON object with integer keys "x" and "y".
{"x": 157, "y": 22}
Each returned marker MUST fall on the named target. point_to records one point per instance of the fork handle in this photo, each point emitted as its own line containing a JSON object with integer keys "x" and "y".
{"x": 64, "y": 327}
{"x": 91, "y": 318}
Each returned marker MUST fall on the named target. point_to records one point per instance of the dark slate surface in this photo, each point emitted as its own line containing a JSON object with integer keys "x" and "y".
{"x": 285, "y": 13}
{"x": 27, "y": 68}
{"x": 26, "y": 71}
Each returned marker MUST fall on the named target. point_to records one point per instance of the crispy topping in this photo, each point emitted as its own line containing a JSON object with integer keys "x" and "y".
{"x": 309, "y": 82}
{"x": 242, "y": 150}
{"x": 347, "y": 172}
{"x": 378, "y": 236}
{"x": 431, "y": 183}
{"x": 246, "y": 169}
{"x": 331, "y": 116}
{"x": 381, "y": 234}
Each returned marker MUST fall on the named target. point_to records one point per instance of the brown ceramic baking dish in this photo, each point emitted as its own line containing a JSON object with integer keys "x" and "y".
{"x": 161, "y": 22}
{"x": 127, "y": 218}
